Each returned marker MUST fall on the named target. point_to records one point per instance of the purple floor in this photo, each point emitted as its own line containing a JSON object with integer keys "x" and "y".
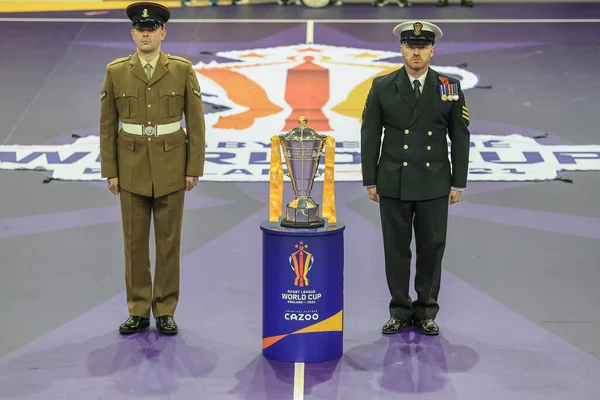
{"x": 484, "y": 347}
{"x": 520, "y": 306}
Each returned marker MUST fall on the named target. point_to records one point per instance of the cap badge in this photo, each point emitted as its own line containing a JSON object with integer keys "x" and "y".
{"x": 145, "y": 13}
{"x": 418, "y": 26}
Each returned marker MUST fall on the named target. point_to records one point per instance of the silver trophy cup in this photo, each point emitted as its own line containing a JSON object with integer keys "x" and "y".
{"x": 302, "y": 149}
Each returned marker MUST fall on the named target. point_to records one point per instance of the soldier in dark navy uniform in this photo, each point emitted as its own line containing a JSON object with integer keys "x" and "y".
{"x": 408, "y": 171}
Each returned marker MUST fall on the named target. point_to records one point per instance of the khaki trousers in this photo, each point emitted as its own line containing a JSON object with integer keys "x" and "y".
{"x": 142, "y": 295}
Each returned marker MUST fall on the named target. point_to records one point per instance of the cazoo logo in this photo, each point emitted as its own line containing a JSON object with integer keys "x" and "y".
{"x": 301, "y": 317}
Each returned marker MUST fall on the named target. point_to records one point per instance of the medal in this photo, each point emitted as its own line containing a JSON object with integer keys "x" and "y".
{"x": 455, "y": 97}
{"x": 443, "y": 93}
{"x": 450, "y": 92}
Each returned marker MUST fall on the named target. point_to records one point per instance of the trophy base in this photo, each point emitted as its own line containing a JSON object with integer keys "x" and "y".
{"x": 305, "y": 217}
{"x": 294, "y": 224}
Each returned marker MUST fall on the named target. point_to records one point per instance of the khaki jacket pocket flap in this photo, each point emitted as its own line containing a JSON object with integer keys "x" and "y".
{"x": 174, "y": 141}
{"x": 171, "y": 91}
{"x": 127, "y": 142}
{"x": 128, "y": 92}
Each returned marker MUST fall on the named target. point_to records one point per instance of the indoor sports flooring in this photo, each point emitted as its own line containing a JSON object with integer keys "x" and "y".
{"x": 520, "y": 304}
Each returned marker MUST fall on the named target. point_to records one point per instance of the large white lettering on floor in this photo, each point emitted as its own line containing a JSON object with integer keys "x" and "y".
{"x": 492, "y": 158}
{"x": 264, "y": 91}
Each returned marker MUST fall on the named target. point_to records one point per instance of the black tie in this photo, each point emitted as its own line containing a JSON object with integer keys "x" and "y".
{"x": 417, "y": 91}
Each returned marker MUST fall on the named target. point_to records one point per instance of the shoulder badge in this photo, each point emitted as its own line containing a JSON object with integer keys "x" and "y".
{"x": 120, "y": 60}
{"x": 197, "y": 93}
{"x": 177, "y": 58}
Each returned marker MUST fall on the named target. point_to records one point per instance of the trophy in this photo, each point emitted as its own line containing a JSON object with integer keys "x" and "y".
{"x": 302, "y": 148}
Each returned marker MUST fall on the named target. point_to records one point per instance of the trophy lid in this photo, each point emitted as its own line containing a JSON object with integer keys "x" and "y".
{"x": 302, "y": 132}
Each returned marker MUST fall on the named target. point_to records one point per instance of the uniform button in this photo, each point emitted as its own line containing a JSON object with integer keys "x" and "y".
{"x": 427, "y": 164}
{"x": 430, "y": 133}
{"x": 148, "y": 88}
{"x": 428, "y": 147}
{"x": 149, "y": 139}
{"x": 406, "y": 131}
{"x": 406, "y": 146}
{"x": 149, "y": 105}
{"x": 405, "y": 163}
{"x": 173, "y": 93}
{"x": 123, "y": 94}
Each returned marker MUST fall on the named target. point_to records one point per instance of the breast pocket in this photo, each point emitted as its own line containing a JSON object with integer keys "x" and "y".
{"x": 171, "y": 101}
{"x": 127, "y": 102}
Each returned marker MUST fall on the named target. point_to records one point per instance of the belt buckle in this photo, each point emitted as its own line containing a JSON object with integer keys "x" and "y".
{"x": 149, "y": 131}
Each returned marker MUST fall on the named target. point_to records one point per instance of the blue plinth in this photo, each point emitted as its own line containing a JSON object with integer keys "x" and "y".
{"x": 303, "y": 292}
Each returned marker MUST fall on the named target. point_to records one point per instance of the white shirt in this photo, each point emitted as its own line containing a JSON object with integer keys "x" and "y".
{"x": 420, "y": 79}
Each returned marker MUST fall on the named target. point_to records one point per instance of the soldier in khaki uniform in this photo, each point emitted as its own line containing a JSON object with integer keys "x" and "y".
{"x": 151, "y": 161}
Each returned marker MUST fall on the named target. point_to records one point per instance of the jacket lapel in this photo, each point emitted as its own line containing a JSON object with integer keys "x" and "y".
{"x": 429, "y": 90}
{"x": 161, "y": 68}
{"x": 136, "y": 68}
{"x": 405, "y": 90}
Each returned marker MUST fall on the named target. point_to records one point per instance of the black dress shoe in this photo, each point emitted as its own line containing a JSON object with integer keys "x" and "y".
{"x": 427, "y": 326}
{"x": 379, "y": 3}
{"x": 394, "y": 325}
{"x": 166, "y": 325}
{"x": 134, "y": 324}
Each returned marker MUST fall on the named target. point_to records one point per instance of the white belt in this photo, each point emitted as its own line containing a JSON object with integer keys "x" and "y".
{"x": 156, "y": 130}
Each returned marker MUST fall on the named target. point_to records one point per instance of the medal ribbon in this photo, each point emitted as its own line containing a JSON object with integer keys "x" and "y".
{"x": 328, "y": 209}
{"x": 275, "y": 181}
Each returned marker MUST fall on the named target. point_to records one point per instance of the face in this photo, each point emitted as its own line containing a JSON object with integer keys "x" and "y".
{"x": 416, "y": 57}
{"x": 148, "y": 41}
